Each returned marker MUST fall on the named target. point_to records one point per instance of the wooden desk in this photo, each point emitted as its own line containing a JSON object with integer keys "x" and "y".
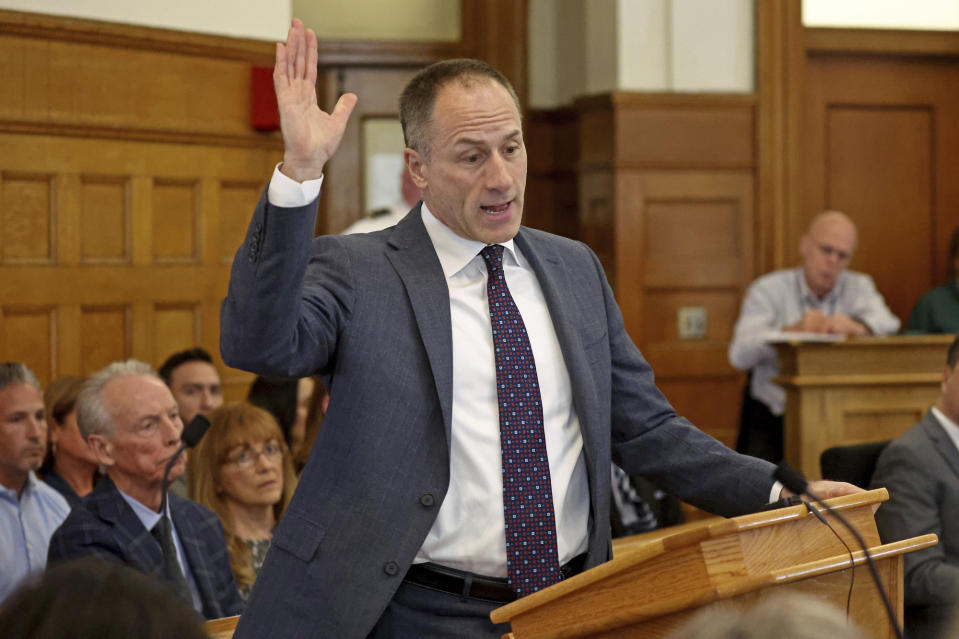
{"x": 858, "y": 390}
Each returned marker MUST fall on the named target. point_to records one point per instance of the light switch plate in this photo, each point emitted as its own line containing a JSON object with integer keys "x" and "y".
{"x": 692, "y": 322}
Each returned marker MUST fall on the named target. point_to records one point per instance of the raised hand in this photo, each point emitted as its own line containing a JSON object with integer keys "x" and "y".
{"x": 310, "y": 135}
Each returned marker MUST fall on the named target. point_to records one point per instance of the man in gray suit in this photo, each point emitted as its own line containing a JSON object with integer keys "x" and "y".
{"x": 921, "y": 470}
{"x": 457, "y": 347}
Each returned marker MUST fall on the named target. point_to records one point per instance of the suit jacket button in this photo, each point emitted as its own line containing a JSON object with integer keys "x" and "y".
{"x": 427, "y": 499}
{"x": 391, "y": 568}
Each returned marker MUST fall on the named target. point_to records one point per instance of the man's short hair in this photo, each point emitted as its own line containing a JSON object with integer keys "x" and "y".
{"x": 952, "y": 355}
{"x": 92, "y": 414}
{"x": 419, "y": 96}
{"x": 16, "y": 373}
{"x": 176, "y": 360}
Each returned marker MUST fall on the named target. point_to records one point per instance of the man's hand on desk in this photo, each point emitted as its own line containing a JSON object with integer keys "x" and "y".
{"x": 815, "y": 322}
{"x": 844, "y": 325}
{"x": 825, "y": 489}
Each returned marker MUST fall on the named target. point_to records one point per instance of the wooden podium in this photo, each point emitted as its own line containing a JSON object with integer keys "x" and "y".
{"x": 855, "y": 391}
{"x": 650, "y": 588}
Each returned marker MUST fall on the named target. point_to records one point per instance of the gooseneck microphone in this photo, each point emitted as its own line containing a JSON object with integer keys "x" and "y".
{"x": 796, "y": 483}
{"x": 191, "y": 436}
{"x": 163, "y": 531}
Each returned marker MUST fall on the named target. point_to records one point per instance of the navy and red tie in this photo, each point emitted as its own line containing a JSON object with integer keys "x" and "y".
{"x": 532, "y": 561}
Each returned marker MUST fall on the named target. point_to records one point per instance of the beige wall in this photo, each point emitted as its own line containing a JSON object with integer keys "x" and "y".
{"x": 633, "y": 45}
{"x": 260, "y": 19}
{"x": 882, "y": 14}
{"x": 413, "y": 20}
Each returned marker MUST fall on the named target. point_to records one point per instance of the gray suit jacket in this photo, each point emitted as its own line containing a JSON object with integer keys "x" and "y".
{"x": 371, "y": 314}
{"x": 921, "y": 470}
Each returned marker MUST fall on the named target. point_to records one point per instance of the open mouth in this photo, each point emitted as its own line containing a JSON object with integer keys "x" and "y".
{"x": 496, "y": 209}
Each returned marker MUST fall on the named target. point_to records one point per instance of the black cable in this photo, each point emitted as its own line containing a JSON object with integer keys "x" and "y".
{"x": 796, "y": 483}
{"x": 852, "y": 560}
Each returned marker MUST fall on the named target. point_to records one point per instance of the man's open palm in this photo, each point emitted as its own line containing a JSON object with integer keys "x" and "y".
{"x": 310, "y": 135}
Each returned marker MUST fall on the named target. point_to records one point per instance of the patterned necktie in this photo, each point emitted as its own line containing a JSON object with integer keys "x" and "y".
{"x": 172, "y": 572}
{"x": 532, "y": 561}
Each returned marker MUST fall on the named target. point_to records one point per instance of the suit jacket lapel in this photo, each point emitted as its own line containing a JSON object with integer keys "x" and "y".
{"x": 941, "y": 441}
{"x": 141, "y": 547}
{"x": 191, "y": 539}
{"x": 559, "y": 290}
{"x": 414, "y": 259}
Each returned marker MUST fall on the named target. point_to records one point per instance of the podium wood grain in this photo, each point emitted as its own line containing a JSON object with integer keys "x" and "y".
{"x": 652, "y": 586}
{"x": 855, "y": 391}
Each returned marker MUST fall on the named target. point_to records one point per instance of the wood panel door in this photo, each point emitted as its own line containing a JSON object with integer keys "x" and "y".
{"x": 881, "y": 142}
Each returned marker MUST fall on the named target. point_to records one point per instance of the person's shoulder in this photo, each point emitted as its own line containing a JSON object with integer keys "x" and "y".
{"x": 51, "y": 499}
{"x": 773, "y": 283}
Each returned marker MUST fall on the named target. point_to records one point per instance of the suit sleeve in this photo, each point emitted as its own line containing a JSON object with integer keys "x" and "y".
{"x": 289, "y": 296}
{"x": 650, "y": 439}
{"x": 912, "y": 510}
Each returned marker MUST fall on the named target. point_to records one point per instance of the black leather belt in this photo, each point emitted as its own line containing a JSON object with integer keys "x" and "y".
{"x": 467, "y": 584}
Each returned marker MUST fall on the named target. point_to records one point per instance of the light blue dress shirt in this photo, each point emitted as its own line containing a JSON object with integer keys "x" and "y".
{"x": 26, "y": 525}
{"x": 149, "y": 519}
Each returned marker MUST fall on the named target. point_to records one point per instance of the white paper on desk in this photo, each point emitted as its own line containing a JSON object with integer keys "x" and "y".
{"x": 782, "y": 337}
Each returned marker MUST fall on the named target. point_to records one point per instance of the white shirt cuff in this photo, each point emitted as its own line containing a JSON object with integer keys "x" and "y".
{"x": 286, "y": 192}
{"x": 774, "y": 493}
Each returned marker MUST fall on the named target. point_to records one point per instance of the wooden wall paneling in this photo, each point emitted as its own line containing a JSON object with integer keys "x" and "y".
{"x": 29, "y": 336}
{"x": 105, "y": 219}
{"x": 105, "y": 336}
{"x": 120, "y": 222}
{"x": 496, "y": 31}
{"x": 176, "y": 221}
{"x": 881, "y": 145}
{"x": 780, "y": 66}
{"x": 552, "y": 184}
{"x": 667, "y": 194}
{"x": 27, "y": 210}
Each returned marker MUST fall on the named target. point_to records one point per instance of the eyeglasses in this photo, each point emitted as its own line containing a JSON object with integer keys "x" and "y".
{"x": 829, "y": 251}
{"x": 247, "y": 457}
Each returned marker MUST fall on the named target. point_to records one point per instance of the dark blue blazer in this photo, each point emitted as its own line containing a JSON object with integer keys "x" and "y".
{"x": 371, "y": 313}
{"x": 104, "y": 525}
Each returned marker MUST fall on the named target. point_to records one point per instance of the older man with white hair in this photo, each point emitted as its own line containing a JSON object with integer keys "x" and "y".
{"x": 820, "y": 296}
{"x": 131, "y": 420}
{"x": 29, "y": 509}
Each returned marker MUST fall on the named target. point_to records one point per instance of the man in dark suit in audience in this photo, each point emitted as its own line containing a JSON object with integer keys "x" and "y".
{"x": 921, "y": 471}
{"x": 131, "y": 421}
{"x": 452, "y": 473}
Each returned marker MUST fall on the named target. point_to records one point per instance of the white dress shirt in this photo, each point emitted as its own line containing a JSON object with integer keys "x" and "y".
{"x": 781, "y": 299}
{"x": 469, "y": 532}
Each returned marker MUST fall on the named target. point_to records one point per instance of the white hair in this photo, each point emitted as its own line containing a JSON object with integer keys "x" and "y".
{"x": 93, "y": 417}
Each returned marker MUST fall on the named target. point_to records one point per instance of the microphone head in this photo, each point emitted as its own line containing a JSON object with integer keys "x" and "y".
{"x": 195, "y": 431}
{"x": 790, "y": 478}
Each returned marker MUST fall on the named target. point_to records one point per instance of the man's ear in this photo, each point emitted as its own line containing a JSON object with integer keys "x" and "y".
{"x": 415, "y": 165}
{"x": 102, "y": 448}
